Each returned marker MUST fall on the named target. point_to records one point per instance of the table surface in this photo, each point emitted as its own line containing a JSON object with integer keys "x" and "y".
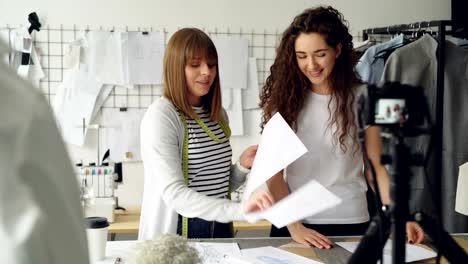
{"x": 336, "y": 254}
{"x": 128, "y": 221}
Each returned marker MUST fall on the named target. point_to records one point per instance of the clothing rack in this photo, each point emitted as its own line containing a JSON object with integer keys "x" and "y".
{"x": 440, "y": 28}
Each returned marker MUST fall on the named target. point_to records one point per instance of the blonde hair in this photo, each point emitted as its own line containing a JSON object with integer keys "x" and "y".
{"x": 185, "y": 45}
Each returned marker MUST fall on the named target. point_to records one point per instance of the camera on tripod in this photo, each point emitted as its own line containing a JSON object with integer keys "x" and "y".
{"x": 396, "y": 105}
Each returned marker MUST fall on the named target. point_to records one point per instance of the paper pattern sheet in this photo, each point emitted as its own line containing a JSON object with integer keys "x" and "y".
{"x": 75, "y": 100}
{"x": 279, "y": 146}
{"x": 145, "y": 57}
{"x": 233, "y": 55}
{"x": 106, "y": 56}
{"x": 308, "y": 200}
{"x": 413, "y": 252}
{"x": 251, "y": 95}
{"x": 217, "y": 253}
{"x": 271, "y": 255}
{"x": 235, "y": 113}
{"x": 121, "y": 130}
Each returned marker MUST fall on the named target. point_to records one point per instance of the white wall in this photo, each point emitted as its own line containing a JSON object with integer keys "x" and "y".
{"x": 260, "y": 15}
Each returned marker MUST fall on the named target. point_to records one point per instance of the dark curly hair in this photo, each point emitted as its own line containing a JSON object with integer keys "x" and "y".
{"x": 286, "y": 88}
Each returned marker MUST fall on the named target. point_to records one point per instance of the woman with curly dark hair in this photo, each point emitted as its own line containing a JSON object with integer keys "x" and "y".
{"x": 313, "y": 85}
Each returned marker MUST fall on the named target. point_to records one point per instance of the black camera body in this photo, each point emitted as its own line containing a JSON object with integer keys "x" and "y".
{"x": 396, "y": 105}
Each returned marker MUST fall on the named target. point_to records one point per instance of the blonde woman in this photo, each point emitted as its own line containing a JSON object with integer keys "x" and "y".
{"x": 186, "y": 153}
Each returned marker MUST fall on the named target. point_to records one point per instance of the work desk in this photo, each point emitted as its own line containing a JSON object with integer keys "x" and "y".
{"x": 127, "y": 222}
{"x": 336, "y": 255}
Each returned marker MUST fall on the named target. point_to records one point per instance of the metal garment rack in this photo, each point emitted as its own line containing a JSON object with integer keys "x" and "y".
{"x": 53, "y": 40}
{"x": 441, "y": 30}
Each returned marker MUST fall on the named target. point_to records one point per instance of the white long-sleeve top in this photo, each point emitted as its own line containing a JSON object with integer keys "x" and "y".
{"x": 41, "y": 219}
{"x": 165, "y": 193}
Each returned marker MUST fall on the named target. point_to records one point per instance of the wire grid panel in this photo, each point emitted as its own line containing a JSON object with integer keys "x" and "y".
{"x": 51, "y": 44}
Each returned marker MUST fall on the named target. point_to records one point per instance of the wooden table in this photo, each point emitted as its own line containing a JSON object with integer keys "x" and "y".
{"x": 127, "y": 222}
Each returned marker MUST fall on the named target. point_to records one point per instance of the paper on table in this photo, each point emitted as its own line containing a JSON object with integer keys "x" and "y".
{"x": 233, "y": 55}
{"x": 251, "y": 95}
{"x": 413, "y": 252}
{"x": 308, "y": 200}
{"x": 273, "y": 255}
{"x": 279, "y": 146}
{"x": 235, "y": 113}
{"x": 145, "y": 57}
{"x": 213, "y": 253}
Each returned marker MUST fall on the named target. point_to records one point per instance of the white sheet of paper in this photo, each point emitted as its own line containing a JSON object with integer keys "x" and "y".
{"x": 413, "y": 252}
{"x": 235, "y": 113}
{"x": 214, "y": 253}
{"x": 102, "y": 96}
{"x": 308, "y": 200}
{"x": 226, "y": 98}
{"x": 233, "y": 55}
{"x": 35, "y": 73}
{"x": 122, "y": 133}
{"x": 251, "y": 95}
{"x": 273, "y": 255}
{"x": 75, "y": 100}
{"x": 145, "y": 57}
{"x": 71, "y": 58}
{"x": 279, "y": 146}
{"x": 106, "y": 56}
{"x": 461, "y": 199}
{"x": 4, "y": 47}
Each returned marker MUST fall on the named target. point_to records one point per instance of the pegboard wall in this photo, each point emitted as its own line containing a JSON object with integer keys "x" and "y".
{"x": 51, "y": 43}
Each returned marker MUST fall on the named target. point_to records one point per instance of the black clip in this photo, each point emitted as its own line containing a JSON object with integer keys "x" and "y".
{"x": 145, "y": 33}
{"x": 35, "y": 24}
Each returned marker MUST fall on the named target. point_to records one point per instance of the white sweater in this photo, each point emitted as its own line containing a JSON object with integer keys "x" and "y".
{"x": 165, "y": 193}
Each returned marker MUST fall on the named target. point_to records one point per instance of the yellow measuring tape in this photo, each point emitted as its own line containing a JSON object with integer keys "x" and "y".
{"x": 227, "y": 133}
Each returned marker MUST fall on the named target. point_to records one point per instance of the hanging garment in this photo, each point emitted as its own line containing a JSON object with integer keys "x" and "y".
{"x": 370, "y": 68}
{"x": 416, "y": 64}
{"x": 41, "y": 218}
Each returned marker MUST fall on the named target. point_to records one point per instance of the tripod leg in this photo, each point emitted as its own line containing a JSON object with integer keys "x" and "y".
{"x": 448, "y": 247}
{"x": 372, "y": 243}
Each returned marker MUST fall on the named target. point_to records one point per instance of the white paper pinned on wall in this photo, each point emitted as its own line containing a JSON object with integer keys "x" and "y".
{"x": 122, "y": 133}
{"x": 235, "y": 113}
{"x": 145, "y": 57}
{"x": 106, "y": 56}
{"x": 74, "y": 102}
{"x": 251, "y": 95}
{"x": 233, "y": 55}
{"x": 4, "y": 47}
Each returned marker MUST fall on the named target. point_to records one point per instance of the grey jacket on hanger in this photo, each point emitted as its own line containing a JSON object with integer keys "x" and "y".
{"x": 416, "y": 64}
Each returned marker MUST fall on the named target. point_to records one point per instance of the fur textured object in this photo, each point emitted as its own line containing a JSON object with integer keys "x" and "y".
{"x": 167, "y": 249}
